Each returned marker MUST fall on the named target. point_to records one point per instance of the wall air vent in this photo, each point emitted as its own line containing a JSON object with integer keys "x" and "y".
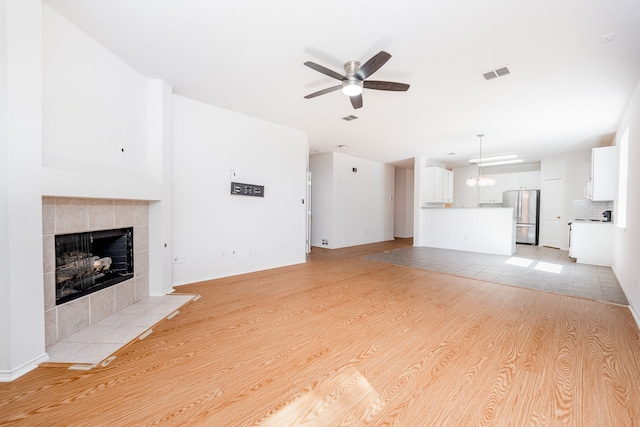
{"x": 494, "y": 74}
{"x": 349, "y": 118}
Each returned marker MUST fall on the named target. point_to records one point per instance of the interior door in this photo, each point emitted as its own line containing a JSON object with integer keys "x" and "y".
{"x": 552, "y": 198}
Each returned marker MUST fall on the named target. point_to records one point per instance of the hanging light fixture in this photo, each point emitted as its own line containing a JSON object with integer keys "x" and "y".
{"x": 480, "y": 181}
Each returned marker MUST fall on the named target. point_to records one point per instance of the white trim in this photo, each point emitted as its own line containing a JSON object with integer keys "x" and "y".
{"x": 635, "y": 313}
{"x": 8, "y": 376}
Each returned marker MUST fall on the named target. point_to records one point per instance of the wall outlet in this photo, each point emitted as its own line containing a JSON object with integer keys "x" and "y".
{"x": 325, "y": 242}
{"x": 178, "y": 259}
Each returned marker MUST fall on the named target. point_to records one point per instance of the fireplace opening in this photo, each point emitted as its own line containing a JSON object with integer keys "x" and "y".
{"x": 89, "y": 262}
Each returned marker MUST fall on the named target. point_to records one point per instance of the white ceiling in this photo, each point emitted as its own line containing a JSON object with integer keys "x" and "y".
{"x": 567, "y": 89}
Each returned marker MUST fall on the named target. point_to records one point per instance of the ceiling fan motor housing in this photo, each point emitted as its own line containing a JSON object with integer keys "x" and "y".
{"x": 351, "y": 67}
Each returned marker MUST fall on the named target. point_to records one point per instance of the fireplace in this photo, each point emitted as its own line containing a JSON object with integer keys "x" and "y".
{"x": 91, "y": 261}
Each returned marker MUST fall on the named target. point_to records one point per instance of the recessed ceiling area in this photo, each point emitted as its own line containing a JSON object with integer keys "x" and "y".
{"x": 564, "y": 71}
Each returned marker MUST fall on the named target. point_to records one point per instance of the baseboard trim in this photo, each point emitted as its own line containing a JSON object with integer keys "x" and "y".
{"x": 632, "y": 308}
{"x": 8, "y": 376}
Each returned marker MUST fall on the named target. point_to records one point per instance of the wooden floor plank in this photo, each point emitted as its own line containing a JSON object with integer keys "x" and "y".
{"x": 342, "y": 341}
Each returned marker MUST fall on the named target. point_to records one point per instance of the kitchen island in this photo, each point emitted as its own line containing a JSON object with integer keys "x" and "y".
{"x": 484, "y": 230}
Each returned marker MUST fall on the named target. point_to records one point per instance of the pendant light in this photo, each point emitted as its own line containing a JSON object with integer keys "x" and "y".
{"x": 480, "y": 181}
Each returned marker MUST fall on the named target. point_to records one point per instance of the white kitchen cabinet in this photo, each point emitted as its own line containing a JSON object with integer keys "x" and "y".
{"x": 528, "y": 180}
{"x": 592, "y": 242}
{"x": 604, "y": 174}
{"x": 437, "y": 185}
{"x": 492, "y": 194}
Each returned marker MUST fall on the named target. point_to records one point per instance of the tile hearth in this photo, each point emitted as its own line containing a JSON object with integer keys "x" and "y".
{"x": 97, "y": 342}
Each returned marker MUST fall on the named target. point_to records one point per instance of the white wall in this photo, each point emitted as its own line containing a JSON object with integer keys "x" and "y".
{"x": 403, "y": 208}
{"x": 362, "y": 202}
{"x": 5, "y": 286}
{"x": 95, "y": 105}
{"x": 21, "y": 281}
{"x": 626, "y": 241}
{"x": 209, "y": 223}
{"x": 574, "y": 169}
{"x": 321, "y": 167}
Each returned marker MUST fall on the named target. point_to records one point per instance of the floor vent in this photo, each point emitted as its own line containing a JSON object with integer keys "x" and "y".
{"x": 349, "y": 118}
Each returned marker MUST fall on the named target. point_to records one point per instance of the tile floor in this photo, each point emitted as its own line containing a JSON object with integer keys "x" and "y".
{"x": 533, "y": 267}
{"x": 97, "y": 342}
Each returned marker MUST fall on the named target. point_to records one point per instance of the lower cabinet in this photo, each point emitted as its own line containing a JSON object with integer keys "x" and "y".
{"x": 592, "y": 242}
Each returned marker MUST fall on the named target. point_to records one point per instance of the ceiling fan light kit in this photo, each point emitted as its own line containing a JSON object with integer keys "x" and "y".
{"x": 352, "y": 87}
{"x": 355, "y": 78}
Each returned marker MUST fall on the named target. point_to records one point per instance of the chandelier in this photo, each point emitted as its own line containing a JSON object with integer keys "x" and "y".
{"x": 480, "y": 181}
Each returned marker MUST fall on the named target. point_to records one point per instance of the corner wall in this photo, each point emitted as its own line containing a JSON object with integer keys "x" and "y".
{"x": 362, "y": 202}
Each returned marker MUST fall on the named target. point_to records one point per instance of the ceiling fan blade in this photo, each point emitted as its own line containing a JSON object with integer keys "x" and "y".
{"x": 378, "y": 85}
{"x": 356, "y": 101}
{"x": 325, "y": 71}
{"x": 323, "y": 91}
{"x": 372, "y": 65}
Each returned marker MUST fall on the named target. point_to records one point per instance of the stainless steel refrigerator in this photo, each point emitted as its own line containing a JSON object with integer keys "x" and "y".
{"x": 526, "y": 213}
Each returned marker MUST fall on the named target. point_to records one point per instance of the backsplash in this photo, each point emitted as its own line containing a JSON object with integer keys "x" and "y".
{"x": 586, "y": 209}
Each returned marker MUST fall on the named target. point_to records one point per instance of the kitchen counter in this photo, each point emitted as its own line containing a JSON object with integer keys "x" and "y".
{"x": 485, "y": 230}
{"x": 592, "y": 242}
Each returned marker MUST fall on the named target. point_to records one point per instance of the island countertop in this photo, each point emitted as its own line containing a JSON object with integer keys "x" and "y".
{"x": 485, "y": 230}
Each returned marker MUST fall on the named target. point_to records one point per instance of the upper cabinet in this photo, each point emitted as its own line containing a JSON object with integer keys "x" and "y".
{"x": 529, "y": 180}
{"x": 604, "y": 174}
{"x": 493, "y": 193}
{"x": 437, "y": 185}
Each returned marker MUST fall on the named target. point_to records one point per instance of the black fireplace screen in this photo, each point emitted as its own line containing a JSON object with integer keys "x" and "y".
{"x": 88, "y": 262}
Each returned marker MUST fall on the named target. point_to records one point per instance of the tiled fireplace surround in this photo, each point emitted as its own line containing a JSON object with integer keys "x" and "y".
{"x": 71, "y": 215}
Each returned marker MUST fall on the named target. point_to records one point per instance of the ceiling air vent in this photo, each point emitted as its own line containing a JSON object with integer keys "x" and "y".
{"x": 349, "y": 118}
{"x": 502, "y": 71}
{"x": 490, "y": 75}
{"x": 493, "y": 74}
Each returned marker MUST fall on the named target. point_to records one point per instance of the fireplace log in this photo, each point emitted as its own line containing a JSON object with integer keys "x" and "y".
{"x": 78, "y": 268}
{"x": 102, "y": 264}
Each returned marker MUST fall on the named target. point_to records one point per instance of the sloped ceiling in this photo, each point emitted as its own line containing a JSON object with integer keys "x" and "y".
{"x": 568, "y": 87}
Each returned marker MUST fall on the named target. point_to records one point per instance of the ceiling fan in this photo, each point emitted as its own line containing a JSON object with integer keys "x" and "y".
{"x": 355, "y": 78}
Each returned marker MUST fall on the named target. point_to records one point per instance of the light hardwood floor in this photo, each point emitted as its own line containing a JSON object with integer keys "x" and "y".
{"x": 342, "y": 341}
